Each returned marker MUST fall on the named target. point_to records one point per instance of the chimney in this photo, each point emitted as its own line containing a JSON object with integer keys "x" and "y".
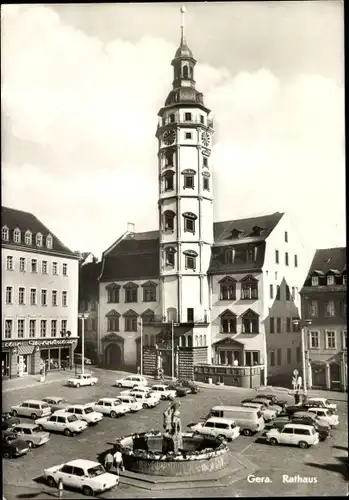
{"x": 131, "y": 228}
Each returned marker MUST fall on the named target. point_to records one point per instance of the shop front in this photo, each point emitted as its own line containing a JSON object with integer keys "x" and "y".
{"x": 27, "y": 356}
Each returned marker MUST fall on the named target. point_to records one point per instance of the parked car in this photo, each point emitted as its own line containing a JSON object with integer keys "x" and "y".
{"x": 194, "y": 388}
{"x": 325, "y": 415}
{"x": 82, "y": 379}
{"x": 56, "y": 403}
{"x": 294, "y": 434}
{"x": 111, "y": 406}
{"x": 293, "y": 408}
{"x": 147, "y": 400}
{"x": 85, "y": 412}
{"x": 272, "y": 398}
{"x": 88, "y": 476}
{"x": 32, "y": 434}
{"x": 146, "y": 390}
{"x": 324, "y": 403}
{"x": 78, "y": 359}
{"x": 8, "y": 421}
{"x": 31, "y": 408}
{"x": 267, "y": 413}
{"x": 224, "y": 428}
{"x": 131, "y": 381}
{"x": 164, "y": 391}
{"x": 278, "y": 423}
{"x": 131, "y": 403}
{"x": 269, "y": 404}
{"x": 12, "y": 445}
{"x": 181, "y": 390}
{"x": 308, "y": 418}
{"x": 62, "y": 422}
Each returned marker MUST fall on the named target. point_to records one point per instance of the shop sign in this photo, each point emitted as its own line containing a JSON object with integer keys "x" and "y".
{"x": 40, "y": 343}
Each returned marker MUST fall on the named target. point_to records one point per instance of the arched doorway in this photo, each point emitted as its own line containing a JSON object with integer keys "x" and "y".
{"x": 335, "y": 376}
{"x": 113, "y": 356}
{"x": 318, "y": 375}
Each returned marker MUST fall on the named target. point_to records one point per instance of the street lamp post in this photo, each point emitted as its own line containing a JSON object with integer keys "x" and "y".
{"x": 83, "y": 316}
{"x": 141, "y": 345}
{"x": 303, "y": 324}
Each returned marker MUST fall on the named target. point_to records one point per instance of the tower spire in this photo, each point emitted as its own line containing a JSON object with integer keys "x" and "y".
{"x": 183, "y": 11}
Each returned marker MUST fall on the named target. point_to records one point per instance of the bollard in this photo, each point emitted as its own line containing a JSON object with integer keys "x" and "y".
{"x": 60, "y": 488}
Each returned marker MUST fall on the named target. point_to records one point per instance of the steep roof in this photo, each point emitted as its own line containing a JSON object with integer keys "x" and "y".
{"x": 329, "y": 259}
{"x": 24, "y": 221}
{"x": 137, "y": 255}
{"x": 88, "y": 280}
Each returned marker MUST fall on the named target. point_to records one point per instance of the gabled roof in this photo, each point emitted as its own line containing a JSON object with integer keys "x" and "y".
{"x": 327, "y": 259}
{"x": 88, "y": 280}
{"x": 24, "y": 221}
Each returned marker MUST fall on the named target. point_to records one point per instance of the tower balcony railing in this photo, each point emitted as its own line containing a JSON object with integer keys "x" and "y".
{"x": 192, "y": 121}
{"x": 163, "y": 320}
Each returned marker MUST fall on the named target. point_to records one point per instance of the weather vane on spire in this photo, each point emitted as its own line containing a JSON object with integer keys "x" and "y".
{"x": 183, "y": 11}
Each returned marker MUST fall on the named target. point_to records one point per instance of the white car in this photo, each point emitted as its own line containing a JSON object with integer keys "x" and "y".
{"x": 88, "y": 476}
{"x": 147, "y": 400}
{"x": 218, "y": 427}
{"x": 267, "y": 413}
{"x": 294, "y": 434}
{"x": 325, "y": 415}
{"x": 85, "y": 412}
{"x": 131, "y": 402}
{"x": 146, "y": 391}
{"x": 324, "y": 403}
{"x": 164, "y": 391}
{"x": 139, "y": 388}
{"x": 61, "y": 421}
{"x": 111, "y": 406}
{"x": 33, "y": 408}
{"x": 56, "y": 403}
{"x": 131, "y": 381}
{"x": 82, "y": 379}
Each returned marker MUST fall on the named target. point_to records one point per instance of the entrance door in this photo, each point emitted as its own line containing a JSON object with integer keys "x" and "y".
{"x": 335, "y": 376}
{"x": 113, "y": 356}
{"x": 167, "y": 363}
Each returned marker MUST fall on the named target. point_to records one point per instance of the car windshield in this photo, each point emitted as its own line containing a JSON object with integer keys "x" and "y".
{"x": 36, "y": 429}
{"x": 117, "y": 402}
{"x": 88, "y": 410}
{"x": 10, "y": 438}
{"x": 44, "y": 405}
{"x": 72, "y": 418}
{"x": 327, "y": 402}
{"x": 96, "y": 471}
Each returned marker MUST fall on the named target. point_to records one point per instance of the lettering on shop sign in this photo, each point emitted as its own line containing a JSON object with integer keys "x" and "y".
{"x": 39, "y": 343}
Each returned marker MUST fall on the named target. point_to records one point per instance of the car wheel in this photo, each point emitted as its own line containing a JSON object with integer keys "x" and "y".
{"x": 34, "y": 416}
{"x": 273, "y": 441}
{"x": 67, "y": 432}
{"x": 30, "y": 444}
{"x": 77, "y": 385}
{"x": 145, "y": 405}
{"x": 113, "y": 414}
{"x": 246, "y": 432}
{"x": 51, "y": 482}
{"x": 41, "y": 427}
{"x": 223, "y": 438}
{"x": 87, "y": 491}
{"x": 303, "y": 445}
{"x": 119, "y": 385}
{"x": 6, "y": 454}
{"x": 92, "y": 383}
{"x": 14, "y": 413}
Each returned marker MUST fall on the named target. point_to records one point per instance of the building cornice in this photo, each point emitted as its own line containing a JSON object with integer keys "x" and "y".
{"x": 38, "y": 250}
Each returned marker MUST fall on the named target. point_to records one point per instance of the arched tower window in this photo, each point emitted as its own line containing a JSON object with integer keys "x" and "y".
{"x": 170, "y": 256}
{"x": 168, "y": 180}
{"x": 183, "y": 341}
{"x": 17, "y": 235}
{"x": 169, "y": 216}
{"x": 185, "y": 72}
{"x": 190, "y": 341}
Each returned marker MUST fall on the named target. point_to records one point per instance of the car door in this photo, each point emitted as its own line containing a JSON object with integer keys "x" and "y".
{"x": 221, "y": 428}
{"x": 208, "y": 429}
{"x": 61, "y": 423}
{"x": 24, "y": 410}
{"x": 99, "y": 406}
{"x": 286, "y": 436}
{"x": 66, "y": 473}
{"x": 107, "y": 407}
{"x": 51, "y": 423}
{"x": 78, "y": 477}
{"x": 79, "y": 413}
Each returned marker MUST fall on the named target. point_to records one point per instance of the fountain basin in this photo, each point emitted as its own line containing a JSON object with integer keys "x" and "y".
{"x": 142, "y": 453}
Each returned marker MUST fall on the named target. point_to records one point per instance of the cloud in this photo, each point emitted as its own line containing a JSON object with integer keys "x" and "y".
{"x": 79, "y": 134}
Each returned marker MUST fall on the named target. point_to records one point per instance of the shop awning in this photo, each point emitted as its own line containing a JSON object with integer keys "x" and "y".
{"x": 25, "y": 349}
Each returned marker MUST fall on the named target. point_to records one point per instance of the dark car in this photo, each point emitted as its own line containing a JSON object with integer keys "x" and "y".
{"x": 12, "y": 445}
{"x": 194, "y": 388}
{"x": 181, "y": 390}
{"x": 272, "y": 398}
{"x": 278, "y": 423}
{"x": 303, "y": 407}
{"x": 310, "y": 419}
{"x": 8, "y": 421}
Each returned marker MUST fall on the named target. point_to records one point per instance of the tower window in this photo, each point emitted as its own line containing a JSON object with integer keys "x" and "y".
{"x": 188, "y": 135}
{"x": 169, "y": 220}
{"x": 202, "y": 119}
{"x": 189, "y": 222}
{"x": 206, "y": 183}
{"x": 172, "y": 118}
{"x": 185, "y": 72}
{"x": 205, "y": 161}
{"x": 170, "y": 256}
{"x": 169, "y": 157}
{"x": 168, "y": 181}
{"x": 189, "y": 182}
{"x": 187, "y": 117}
{"x": 190, "y": 259}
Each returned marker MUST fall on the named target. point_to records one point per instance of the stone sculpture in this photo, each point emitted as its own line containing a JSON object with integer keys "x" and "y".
{"x": 172, "y": 437}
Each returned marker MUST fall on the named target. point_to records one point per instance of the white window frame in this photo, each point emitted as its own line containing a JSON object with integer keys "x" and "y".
{"x": 31, "y": 320}
{"x": 41, "y": 296}
{"x": 17, "y": 235}
{"x": 33, "y": 303}
{"x": 49, "y": 241}
{"x": 9, "y": 263}
{"x": 10, "y": 290}
{"x": 330, "y": 280}
{"x": 36, "y": 265}
{"x": 8, "y": 321}
{"x": 314, "y": 281}
{"x": 55, "y": 268}
{"x": 43, "y": 322}
{"x": 53, "y": 331}
{"x": 65, "y": 269}
{"x": 314, "y": 309}
{"x": 311, "y": 346}
{"x": 44, "y": 267}
{"x": 22, "y": 260}
{"x": 333, "y": 309}
{"x": 327, "y": 337}
{"x": 64, "y": 298}
{"x": 28, "y": 238}
{"x": 54, "y": 294}
{"x": 38, "y": 240}
{"x": 19, "y": 296}
{"x": 65, "y": 323}
{"x": 22, "y": 332}
{"x": 5, "y": 233}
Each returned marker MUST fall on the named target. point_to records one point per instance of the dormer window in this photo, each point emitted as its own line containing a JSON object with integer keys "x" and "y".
{"x": 236, "y": 233}
{"x": 189, "y": 178}
{"x": 330, "y": 280}
{"x": 170, "y": 256}
{"x": 168, "y": 180}
{"x": 314, "y": 281}
{"x": 5, "y": 233}
{"x": 38, "y": 240}
{"x": 169, "y": 220}
{"x": 251, "y": 254}
{"x": 17, "y": 235}
{"x": 49, "y": 241}
{"x": 189, "y": 222}
{"x": 257, "y": 231}
{"x": 28, "y": 238}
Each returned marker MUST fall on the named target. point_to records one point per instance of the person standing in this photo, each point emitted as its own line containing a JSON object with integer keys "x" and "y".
{"x": 108, "y": 461}
{"x": 297, "y": 398}
{"x": 118, "y": 462}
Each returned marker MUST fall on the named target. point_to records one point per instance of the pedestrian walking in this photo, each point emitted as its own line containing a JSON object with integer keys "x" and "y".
{"x": 108, "y": 461}
{"x": 138, "y": 370}
{"x": 60, "y": 488}
{"x": 297, "y": 398}
{"x": 118, "y": 462}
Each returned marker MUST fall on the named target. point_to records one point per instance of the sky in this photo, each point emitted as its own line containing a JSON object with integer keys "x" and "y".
{"x": 82, "y": 85}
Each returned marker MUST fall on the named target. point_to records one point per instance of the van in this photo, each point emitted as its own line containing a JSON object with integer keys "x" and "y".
{"x": 250, "y": 420}
{"x": 217, "y": 427}
{"x": 31, "y": 408}
{"x": 131, "y": 381}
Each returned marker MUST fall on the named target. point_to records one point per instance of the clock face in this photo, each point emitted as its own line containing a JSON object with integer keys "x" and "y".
{"x": 169, "y": 137}
{"x": 205, "y": 138}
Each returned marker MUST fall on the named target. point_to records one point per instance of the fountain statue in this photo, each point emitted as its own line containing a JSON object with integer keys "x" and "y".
{"x": 172, "y": 439}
